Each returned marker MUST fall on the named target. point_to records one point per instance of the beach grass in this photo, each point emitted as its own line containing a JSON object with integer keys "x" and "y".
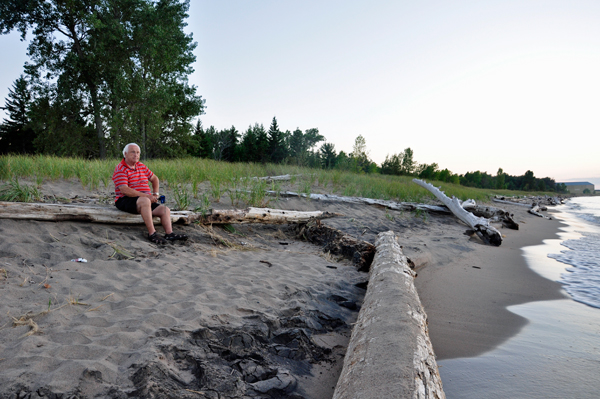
{"x": 185, "y": 177}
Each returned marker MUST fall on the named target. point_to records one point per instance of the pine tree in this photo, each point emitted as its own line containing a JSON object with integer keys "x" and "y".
{"x": 277, "y": 148}
{"x": 16, "y": 133}
{"x": 327, "y": 156}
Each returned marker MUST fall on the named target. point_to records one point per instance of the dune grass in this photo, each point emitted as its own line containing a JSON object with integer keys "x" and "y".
{"x": 186, "y": 176}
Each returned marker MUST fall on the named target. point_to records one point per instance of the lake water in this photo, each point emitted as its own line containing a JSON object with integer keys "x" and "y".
{"x": 557, "y": 354}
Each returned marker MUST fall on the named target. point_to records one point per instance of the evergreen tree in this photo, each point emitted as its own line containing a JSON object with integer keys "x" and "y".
{"x": 16, "y": 133}
{"x": 277, "y": 149}
{"x": 297, "y": 146}
{"x": 327, "y": 156}
{"x": 262, "y": 144}
{"x": 248, "y": 146}
{"x": 231, "y": 151}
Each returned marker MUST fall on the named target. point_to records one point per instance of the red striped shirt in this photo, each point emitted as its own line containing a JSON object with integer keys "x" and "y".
{"x": 136, "y": 178}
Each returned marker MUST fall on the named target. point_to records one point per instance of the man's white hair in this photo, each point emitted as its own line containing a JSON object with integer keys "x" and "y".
{"x": 127, "y": 148}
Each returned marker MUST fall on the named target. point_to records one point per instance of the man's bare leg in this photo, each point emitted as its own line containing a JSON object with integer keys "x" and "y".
{"x": 164, "y": 214}
{"x": 144, "y": 208}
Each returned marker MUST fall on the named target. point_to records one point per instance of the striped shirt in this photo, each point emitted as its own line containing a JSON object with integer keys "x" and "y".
{"x": 136, "y": 178}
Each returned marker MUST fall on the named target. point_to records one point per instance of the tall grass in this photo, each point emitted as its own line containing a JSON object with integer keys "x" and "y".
{"x": 223, "y": 178}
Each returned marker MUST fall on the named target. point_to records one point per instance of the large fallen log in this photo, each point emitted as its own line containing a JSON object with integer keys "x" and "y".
{"x": 399, "y": 206}
{"x": 337, "y": 243}
{"x": 390, "y": 354}
{"x": 480, "y": 226}
{"x": 111, "y": 215}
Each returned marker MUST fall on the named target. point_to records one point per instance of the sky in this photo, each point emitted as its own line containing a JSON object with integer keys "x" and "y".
{"x": 469, "y": 85}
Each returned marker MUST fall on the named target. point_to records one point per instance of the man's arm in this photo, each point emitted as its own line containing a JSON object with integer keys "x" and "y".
{"x": 155, "y": 184}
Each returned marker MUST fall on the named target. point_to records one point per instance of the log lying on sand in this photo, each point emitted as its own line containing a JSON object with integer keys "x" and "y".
{"x": 399, "y": 206}
{"x": 111, "y": 215}
{"x": 263, "y": 215}
{"x": 503, "y": 201}
{"x": 390, "y": 354}
{"x": 493, "y": 214}
{"x": 337, "y": 243}
{"x": 274, "y": 178}
{"x": 535, "y": 210}
{"x": 480, "y": 226}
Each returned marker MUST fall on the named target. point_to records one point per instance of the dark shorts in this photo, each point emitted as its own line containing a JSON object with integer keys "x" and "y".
{"x": 129, "y": 204}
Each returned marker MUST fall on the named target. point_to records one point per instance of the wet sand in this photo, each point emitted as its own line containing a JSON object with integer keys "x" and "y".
{"x": 466, "y": 294}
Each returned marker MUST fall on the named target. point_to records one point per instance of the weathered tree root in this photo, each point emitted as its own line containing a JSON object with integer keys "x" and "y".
{"x": 337, "y": 243}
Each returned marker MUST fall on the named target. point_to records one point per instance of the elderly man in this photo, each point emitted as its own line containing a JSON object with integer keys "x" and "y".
{"x": 133, "y": 194}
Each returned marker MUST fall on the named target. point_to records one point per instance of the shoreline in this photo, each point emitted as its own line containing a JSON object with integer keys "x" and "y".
{"x": 466, "y": 296}
{"x": 555, "y": 355}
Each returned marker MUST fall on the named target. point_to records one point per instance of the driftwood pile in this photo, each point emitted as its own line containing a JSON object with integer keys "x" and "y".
{"x": 536, "y": 205}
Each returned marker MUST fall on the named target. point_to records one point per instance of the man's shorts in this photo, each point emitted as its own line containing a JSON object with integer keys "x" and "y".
{"x": 129, "y": 204}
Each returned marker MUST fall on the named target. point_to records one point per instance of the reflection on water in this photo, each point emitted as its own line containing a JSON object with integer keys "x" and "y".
{"x": 556, "y": 355}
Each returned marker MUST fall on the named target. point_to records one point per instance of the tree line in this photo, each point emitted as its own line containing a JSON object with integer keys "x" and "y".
{"x": 103, "y": 73}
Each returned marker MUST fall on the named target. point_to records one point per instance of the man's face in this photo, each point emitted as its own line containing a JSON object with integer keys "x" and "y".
{"x": 132, "y": 155}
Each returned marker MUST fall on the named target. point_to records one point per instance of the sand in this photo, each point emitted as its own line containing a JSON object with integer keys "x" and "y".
{"x": 252, "y": 312}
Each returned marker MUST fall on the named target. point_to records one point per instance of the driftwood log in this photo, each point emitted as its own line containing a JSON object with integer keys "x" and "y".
{"x": 274, "y": 178}
{"x": 491, "y": 213}
{"x": 390, "y": 354}
{"x": 504, "y": 201}
{"x": 399, "y": 206}
{"x": 111, "y": 215}
{"x": 480, "y": 225}
{"x": 337, "y": 243}
{"x": 535, "y": 210}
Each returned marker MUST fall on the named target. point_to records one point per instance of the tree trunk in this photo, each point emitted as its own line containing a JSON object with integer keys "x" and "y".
{"x": 98, "y": 120}
{"x": 390, "y": 354}
{"x": 480, "y": 226}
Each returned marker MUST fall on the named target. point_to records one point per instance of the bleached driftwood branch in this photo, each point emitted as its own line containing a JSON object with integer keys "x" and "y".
{"x": 390, "y": 354}
{"x": 536, "y": 211}
{"x": 480, "y": 226}
{"x": 501, "y": 201}
{"x": 111, "y": 215}
{"x": 274, "y": 178}
{"x": 399, "y": 206}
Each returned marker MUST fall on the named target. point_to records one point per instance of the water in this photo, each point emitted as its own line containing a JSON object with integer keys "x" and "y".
{"x": 582, "y": 280}
{"x": 557, "y": 354}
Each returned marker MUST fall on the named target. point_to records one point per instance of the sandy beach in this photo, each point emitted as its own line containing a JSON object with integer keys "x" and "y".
{"x": 248, "y": 312}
